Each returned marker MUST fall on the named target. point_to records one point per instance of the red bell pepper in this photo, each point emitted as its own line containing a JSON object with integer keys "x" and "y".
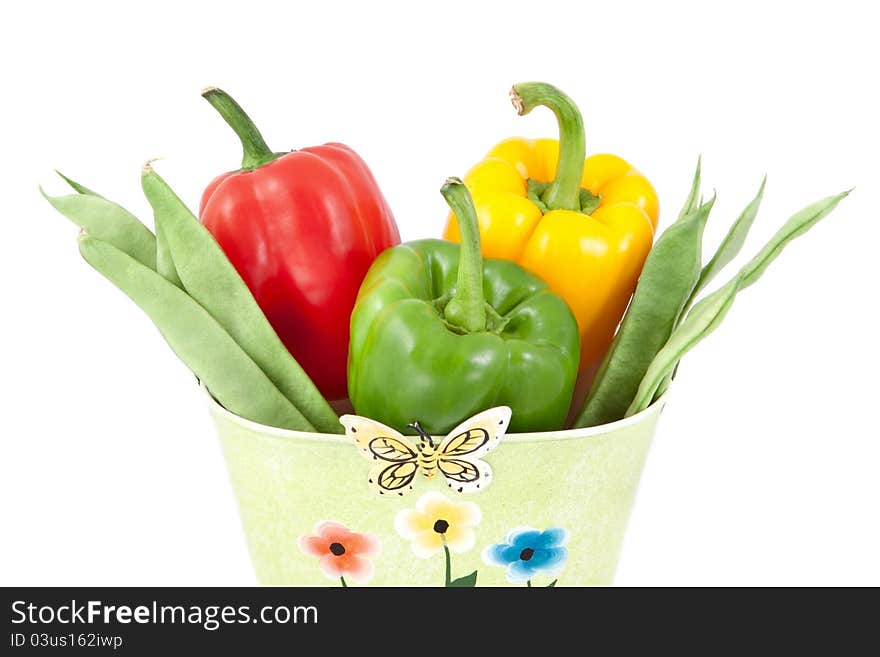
{"x": 302, "y": 229}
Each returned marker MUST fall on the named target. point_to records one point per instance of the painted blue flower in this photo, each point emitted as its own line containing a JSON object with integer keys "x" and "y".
{"x": 527, "y": 552}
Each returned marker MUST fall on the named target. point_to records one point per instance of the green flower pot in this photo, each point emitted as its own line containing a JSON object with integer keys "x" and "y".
{"x": 555, "y": 512}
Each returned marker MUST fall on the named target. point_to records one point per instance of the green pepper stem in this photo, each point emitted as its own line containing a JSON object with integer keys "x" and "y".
{"x": 564, "y": 192}
{"x": 256, "y": 151}
{"x": 467, "y": 307}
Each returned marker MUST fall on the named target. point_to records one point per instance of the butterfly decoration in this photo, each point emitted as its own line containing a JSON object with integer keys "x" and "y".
{"x": 458, "y": 458}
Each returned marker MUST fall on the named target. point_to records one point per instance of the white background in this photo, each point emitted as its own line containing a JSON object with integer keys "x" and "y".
{"x": 765, "y": 467}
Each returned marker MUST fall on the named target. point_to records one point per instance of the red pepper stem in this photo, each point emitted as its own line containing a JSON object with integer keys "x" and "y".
{"x": 256, "y": 151}
{"x": 467, "y": 307}
{"x": 564, "y": 192}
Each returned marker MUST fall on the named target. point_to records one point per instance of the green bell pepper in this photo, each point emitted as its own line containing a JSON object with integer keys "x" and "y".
{"x": 438, "y": 335}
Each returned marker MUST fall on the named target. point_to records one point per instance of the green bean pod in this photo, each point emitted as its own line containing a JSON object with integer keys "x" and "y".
{"x": 693, "y": 201}
{"x": 164, "y": 262}
{"x": 78, "y": 187}
{"x": 197, "y": 338}
{"x": 106, "y": 221}
{"x": 208, "y": 276}
{"x": 708, "y": 313}
{"x": 668, "y": 277}
{"x": 729, "y": 248}
{"x": 731, "y": 245}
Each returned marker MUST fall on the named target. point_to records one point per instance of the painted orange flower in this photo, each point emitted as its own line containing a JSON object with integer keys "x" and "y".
{"x": 342, "y": 552}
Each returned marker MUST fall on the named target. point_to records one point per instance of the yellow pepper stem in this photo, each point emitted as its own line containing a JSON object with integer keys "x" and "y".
{"x": 564, "y": 192}
{"x": 467, "y": 307}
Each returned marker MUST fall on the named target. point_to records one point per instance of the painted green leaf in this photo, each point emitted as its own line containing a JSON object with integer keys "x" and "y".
{"x": 468, "y": 581}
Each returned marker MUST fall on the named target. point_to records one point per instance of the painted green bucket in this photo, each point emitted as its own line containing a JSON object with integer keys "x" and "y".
{"x": 555, "y": 512}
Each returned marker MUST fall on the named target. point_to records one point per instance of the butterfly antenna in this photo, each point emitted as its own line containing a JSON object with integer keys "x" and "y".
{"x": 426, "y": 438}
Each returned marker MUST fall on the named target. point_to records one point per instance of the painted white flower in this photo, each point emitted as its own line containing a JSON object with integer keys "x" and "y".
{"x": 437, "y": 521}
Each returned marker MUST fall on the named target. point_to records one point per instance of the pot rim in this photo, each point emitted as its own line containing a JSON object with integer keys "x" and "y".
{"x": 510, "y": 438}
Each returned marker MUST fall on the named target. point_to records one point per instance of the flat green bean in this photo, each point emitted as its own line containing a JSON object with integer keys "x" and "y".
{"x": 209, "y": 277}
{"x": 728, "y": 249}
{"x": 731, "y": 245}
{"x": 668, "y": 277}
{"x": 694, "y": 200}
{"x": 708, "y": 313}
{"x": 107, "y": 221}
{"x": 77, "y": 187}
{"x": 195, "y": 336}
{"x": 164, "y": 262}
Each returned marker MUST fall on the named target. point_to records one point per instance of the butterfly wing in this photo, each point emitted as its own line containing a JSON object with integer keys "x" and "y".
{"x": 460, "y": 453}
{"x": 393, "y": 478}
{"x": 377, "y": 441}
{"x": 396, "y": 457}
{"x": 477, "y": 436}
{"x": 466, "y": 475}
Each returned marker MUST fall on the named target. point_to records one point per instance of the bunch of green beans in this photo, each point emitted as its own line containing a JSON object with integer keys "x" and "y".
{"x": 663, "y": 322}
{"x": 183, "y": 281}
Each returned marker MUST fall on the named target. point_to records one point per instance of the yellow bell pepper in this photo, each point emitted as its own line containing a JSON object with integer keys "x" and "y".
{"x": 583, "y": 225}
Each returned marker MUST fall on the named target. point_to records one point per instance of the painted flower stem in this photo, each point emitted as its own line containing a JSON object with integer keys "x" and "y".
{"x": 342, "y": 580}
{"x": 448, "y": 565}
{"x": 436, "y": 524}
